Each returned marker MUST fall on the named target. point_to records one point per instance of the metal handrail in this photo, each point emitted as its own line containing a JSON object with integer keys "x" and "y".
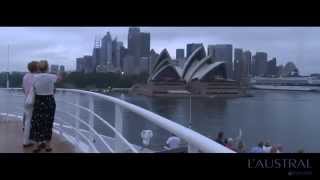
{"x": 82, "y": 135}
{"x": 94, "y": 131}
{"x": 204, "y": 144}
{"x": 106, "y": 123}
{"x": 195, "y": 139}
{"x": 131, "y": 147}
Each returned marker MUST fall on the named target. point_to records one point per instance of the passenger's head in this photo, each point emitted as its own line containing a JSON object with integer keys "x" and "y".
{"x": 225, "y": 141}
{"x": 260, "y": 144}
{"x": 43, "y": 66}
{"x": 230, "y": 140}
{"x": 268, "y": 144}
{"x": 220, "y": 135}
{"x": 33, "y": 67}
{"x": 240, "y": 145}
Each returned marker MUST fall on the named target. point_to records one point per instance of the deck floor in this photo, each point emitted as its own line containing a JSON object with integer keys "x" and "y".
{"x": 11, "y": 138}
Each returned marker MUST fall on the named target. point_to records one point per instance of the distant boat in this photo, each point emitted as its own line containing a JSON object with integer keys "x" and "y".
{"x": 286, "y": 83}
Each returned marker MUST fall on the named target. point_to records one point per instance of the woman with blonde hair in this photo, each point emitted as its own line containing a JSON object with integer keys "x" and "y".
{"x": 27, "y": 84}
{"x": 44, "y": 108}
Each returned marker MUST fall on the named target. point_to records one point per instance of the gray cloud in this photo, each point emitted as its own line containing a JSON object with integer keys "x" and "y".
{"x": 62, "y": 45}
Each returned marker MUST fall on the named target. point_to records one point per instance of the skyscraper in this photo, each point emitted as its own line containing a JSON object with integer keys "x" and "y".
{"x": 128, "y": 64}
{"x": 80, "y": 64}
{"x": 138, "y": 45}
{"x": 96, "y": 60}
{"x": 261, "y": 63}
{"x": 272, "y": 67}
{"x": 116, "y": 54}
{"x": 179, "y": 53}
{"x": 62, "y": 69}
{"x": 238, "y": 64}
{"x": 106, "y": 49}
{"x": 248, "y": 62}
{"x": 210, "y": 50}
{"x": 54, "y": 68}
{"x": 223, "y": 52}
{"x": 133, "y": 41}
{"x": 180, "y": 56}
{"x": 144, "y": 44}
{"x": 191, "y": 47}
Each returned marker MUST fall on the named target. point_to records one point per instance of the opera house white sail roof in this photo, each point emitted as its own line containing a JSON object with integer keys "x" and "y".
{"x": 197, "y": 66}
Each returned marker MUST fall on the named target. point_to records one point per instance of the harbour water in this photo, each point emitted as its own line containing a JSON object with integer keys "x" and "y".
{"x": 291, "y": 119}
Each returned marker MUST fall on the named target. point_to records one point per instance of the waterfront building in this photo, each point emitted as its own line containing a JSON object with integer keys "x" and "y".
{"x": 272, "y": 67}
{"x": 62, "y": 69}
{"x": 290, "y": 69}
{"x": 192, "y": 47}
{"x": 248, "y": 62}
{"x": 180, "y": 57}
{"x": 138, "y": 45}
{"x": 222, "y": 52}
{"x": 238, "y": 64}
{"x": 54, "y": 68}
{"x": 199, "y": 76}
{"x": 260, "y": 63}
{"x": 106, "y": 49}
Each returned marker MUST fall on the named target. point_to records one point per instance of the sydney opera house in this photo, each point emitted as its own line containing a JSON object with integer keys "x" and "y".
{"x": 200, "y": 75}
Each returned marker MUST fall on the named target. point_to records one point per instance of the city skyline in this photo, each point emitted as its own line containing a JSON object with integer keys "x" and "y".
{"x": 62, "y": 45}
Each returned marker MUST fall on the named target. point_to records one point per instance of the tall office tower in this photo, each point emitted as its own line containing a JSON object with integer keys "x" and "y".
{"x": 191, "y": 47}
{"x": 210, "y": 51}
{"x": 261, "y": 63}
{"x": 106, "y": 50}
{"x": 238, "y": 64}
{"x": 79, "y": 64}
{"x": 138, "y": 45}
{"x": 223, "y": 52}
{"x": 180, "y": 57}
{"x": 54, "y": 68}
{"x": 116, "y": 54}
{"x": 62, "y": 69}
{"x": 248, "y": 62}
{"x": 272, "y": 67}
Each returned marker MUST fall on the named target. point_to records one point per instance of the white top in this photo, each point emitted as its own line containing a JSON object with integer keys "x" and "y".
{"x": 27, "y": 82}
{"x": 44, "y": 83}
{"x": 173, "y": 142}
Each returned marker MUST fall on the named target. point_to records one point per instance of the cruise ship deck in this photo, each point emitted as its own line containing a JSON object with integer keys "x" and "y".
{"x": 11, "y": 139}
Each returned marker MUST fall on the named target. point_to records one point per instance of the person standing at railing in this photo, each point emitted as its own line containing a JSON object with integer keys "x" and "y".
{"x": 220, "y": 137}
{"x": 27, "y": 83}
{"x": 44, "y": 108}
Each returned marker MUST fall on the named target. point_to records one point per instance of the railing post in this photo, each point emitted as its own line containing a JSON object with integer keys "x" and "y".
{"x": 77, "y": 113}
{"x": 118, "y": 126}
{"x": 192, "y": 149}
{"x": 91, "y": 118}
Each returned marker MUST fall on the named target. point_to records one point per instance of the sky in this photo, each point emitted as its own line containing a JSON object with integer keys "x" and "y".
{"x": 62, "y": 45}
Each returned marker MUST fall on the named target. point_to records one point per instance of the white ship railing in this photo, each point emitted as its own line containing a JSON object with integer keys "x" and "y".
{"x": 84, "y": 132}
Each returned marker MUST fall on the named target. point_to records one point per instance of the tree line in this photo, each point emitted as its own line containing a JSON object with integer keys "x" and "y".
{"x": 81, "y": 80}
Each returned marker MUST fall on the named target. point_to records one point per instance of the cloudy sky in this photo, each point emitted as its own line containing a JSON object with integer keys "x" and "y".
{"x": 62, "y": 45}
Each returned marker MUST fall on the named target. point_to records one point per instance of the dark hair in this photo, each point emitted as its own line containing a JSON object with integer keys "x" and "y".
{"x": 225, "y": 141}
{"x": 33, "y": 66}
{"x": 220, "y": 134}
{"x": 260, "y": 144}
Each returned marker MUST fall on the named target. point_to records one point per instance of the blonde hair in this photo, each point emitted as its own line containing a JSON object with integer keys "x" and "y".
{"x": 43, "y": 66}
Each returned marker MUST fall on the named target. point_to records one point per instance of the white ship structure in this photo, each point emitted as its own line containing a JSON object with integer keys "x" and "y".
{"x": 286, "y": 83}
